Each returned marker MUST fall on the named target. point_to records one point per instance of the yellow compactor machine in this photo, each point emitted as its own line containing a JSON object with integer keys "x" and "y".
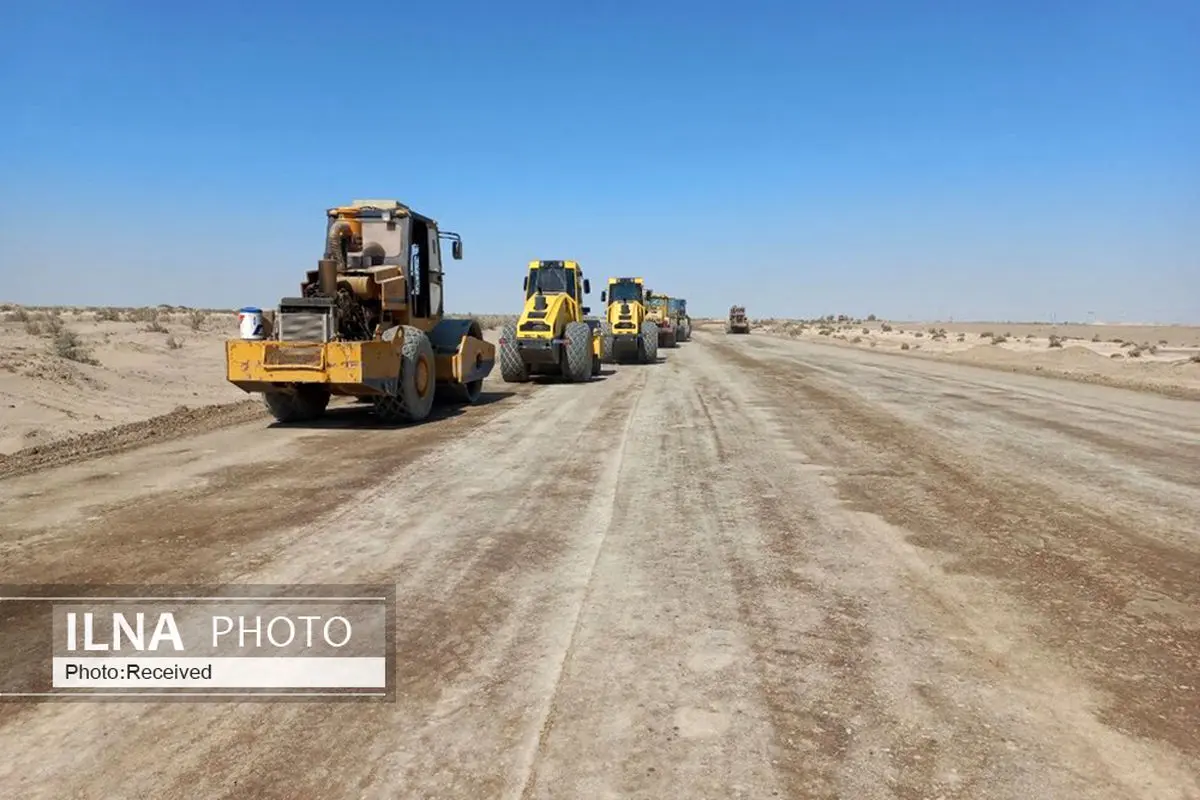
{"x": 368, "y": 324}
{"x": 552, "y": 336}
{"x": 627, "y": 333}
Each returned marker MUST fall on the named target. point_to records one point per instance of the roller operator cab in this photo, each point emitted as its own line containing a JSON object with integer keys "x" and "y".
{"x": 677, "y": 306}
{"x": 627, "y": 333}
{"x": 658, "y": 309}
{"x": 552, "y": 335}
{"x": 368, "y": 323}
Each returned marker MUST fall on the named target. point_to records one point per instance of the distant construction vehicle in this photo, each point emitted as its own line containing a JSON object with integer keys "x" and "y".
{"x": 738, "y": 322}
{"x": 368, "y": 324}
{"x": 683, "y": 323}
{"x": 658, "y": 310}
{"x": 626, "y": 334}
{"x": 551, "y": 337}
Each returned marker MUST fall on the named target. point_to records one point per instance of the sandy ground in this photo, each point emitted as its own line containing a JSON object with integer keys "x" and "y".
{"x": 758, "y": 568}
{"x": 1164, "y": 359}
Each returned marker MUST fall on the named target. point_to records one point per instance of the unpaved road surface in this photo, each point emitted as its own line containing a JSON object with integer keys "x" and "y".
{"x": 758, "y": 568}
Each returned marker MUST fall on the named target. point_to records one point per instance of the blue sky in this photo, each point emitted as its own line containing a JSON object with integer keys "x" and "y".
{"x": 1013, "y": 160}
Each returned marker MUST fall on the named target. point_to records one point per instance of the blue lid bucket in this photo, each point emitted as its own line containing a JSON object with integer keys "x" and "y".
{"x": 250, "y": 323}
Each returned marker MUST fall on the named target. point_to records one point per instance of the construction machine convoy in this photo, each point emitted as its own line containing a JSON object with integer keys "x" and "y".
{"x": 368, "y": 324}
{"x": 738, "y": 321}
{"x": 552, "y": 336}
{"x": 677, "y": 306}
{"x": 627, "y": 333}
{"x": 659, "y": 311}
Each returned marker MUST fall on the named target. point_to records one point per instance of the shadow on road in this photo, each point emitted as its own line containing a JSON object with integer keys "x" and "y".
{"x": 360, "y": 416}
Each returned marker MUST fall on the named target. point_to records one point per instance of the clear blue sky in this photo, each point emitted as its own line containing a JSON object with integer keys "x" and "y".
{"x": 913, "y": 159}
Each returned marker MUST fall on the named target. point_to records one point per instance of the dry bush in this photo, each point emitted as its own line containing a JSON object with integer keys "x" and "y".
{"x": 155, "y": 327}
{"x": 1195, "y": 359}
{"x": 196, "y": 319}
{"x": 904, "y": 346}
{"x": 1117, "y": 355}
{"x": 866, "y": 331}
{"x": 70, "y": 345}
{"x": 999, "y": 339}
{"x": 109, "y": 314}
{"x": 173, "y": 343}
{"x": 919, "y": 335}
{"x": 144, "y": 314}
{"x": 870, "y": 317}
{"x": 1162, "y": 342}
{"x": 962, "y": 337}
{"x": 1055, "y": 341}
{"x": 1096, "y": 338}
{"x": 986, "y": 335}
{"x": 856, "y": 340}
{"x": 885, "y": 328}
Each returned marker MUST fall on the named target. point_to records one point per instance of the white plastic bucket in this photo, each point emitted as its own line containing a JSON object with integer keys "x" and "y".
{"x": 250, "y": 323}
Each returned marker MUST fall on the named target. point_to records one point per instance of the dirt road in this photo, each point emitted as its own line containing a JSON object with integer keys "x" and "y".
{"x": 758, "y": 569}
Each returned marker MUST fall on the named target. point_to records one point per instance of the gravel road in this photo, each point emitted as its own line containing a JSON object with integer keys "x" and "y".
{"x": 759, "y": 568}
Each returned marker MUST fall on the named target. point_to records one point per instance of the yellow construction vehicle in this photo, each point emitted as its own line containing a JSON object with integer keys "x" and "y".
{"x": 658, "y": 309}
{"x": 551, "y": 337}
{"x": 368, "y": 324}
{"x": 738, "y": 322}
{"x": 683, "y": 323}
{"x": 626, "y": 334}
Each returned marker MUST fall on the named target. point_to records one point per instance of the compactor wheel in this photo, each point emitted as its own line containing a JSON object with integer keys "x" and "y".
{"x": 513, "y": 368}
{"x": 305, "y": 404}
{"x": 578, "y": 366}
{"x": 418, "y": 380}
{"x": 649, "y": 348}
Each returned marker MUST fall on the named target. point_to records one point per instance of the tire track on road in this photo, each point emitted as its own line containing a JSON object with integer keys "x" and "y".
{"x": 1088, "y": 574}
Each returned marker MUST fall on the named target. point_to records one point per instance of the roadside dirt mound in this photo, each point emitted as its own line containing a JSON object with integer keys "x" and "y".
{"x": 183, "y": 421}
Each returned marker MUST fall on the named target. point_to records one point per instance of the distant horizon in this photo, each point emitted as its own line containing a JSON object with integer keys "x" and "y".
{"x": 8, "y": 304}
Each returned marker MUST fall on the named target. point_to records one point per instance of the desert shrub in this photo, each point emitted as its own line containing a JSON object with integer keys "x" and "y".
{"x": 173, "y": 343}
{"x": 885, "y": 328}
{"x": 1135, "y": 352}
{"x": 155, "y": 327}
{"x": 919, "y": 335}
{"x": 986, "y": 335}
{"x": 1055, "y": 341}
{"x": 962, "y": 337}
{"x": 1096, "y": 338}
{"x": 904, "y": 346}
{"x": 856, "y": 340}
{"x": 870, "y": 317}
{"x": 999, "y": 339}
{"x": 1195, "y": 359}
{"x": 1162, "y": 342}
{"x": 108, "y": 315}
{"x": 70, "y": 345}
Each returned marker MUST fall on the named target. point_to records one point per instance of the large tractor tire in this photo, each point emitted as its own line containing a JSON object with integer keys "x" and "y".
{"x": 304, "y": 405}
{"x": 578, "y": 361}
{"x": 685, "y": 331}
{"x": 669, "y": 339}
{"x": 418, "y": 379}
{"x": 606, "y": 343}
{"x": 513, "y": 368}
{"x": 649, "y": 342}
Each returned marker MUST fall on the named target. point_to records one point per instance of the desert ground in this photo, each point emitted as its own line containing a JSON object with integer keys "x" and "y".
{"x": 777, "y": 565}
